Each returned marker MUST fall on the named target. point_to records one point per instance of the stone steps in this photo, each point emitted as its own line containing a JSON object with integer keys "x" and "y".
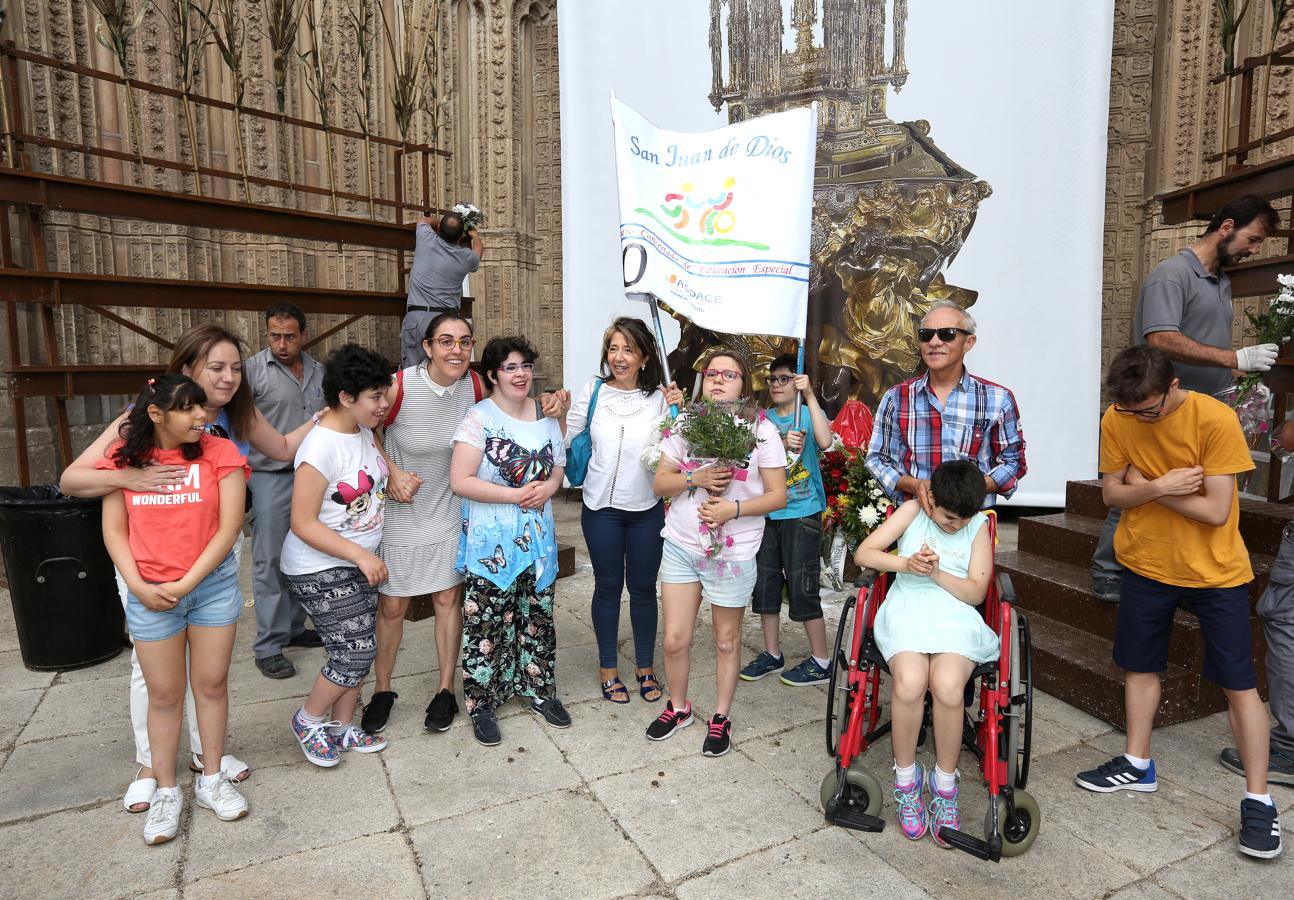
{"x": 1073, "y": 631}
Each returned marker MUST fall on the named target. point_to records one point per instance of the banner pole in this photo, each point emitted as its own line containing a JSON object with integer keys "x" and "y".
{"x": 799, "y": 398}
{"x": 660, "y": 340}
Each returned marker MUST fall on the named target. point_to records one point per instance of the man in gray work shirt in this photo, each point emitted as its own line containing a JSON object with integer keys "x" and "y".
{"x": 1185, "y": 310}
{"x": 443, "y": 256}
{"x": 287, "y": 384}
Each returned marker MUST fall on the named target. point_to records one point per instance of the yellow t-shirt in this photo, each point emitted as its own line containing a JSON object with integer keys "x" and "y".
{"x": 1156, "y": 542}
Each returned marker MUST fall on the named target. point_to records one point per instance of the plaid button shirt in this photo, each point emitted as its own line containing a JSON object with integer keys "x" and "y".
{"x": 914, "y": 433}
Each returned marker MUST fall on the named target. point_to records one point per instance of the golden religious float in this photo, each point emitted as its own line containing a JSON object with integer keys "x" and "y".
{"x": 890, "y": 209}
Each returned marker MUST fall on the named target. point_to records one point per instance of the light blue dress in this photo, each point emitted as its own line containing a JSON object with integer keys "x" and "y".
{"x": 920, "y": 616}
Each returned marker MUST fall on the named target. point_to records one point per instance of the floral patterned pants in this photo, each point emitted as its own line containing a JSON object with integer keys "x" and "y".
{"x": 509, "y": 642}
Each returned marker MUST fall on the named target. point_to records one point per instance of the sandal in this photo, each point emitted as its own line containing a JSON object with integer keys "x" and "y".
{"x": 614, "y": 689}
{"x": 648, "y": 683}
{"x": 234, "y": 768}
{"x": 139, "y": 793}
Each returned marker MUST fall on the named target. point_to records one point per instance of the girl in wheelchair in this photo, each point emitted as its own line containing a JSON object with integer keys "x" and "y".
{"x": 931, "y": 635}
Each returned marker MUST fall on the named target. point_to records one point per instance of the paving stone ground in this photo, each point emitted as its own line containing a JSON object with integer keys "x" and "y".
{"x": 593, "y": 811}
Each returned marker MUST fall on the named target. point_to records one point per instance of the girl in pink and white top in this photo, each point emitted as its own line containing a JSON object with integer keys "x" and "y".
{"x": 703, "y": 498}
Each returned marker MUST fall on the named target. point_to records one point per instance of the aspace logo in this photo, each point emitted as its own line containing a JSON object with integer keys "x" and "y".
{"x": 680, "y": 288}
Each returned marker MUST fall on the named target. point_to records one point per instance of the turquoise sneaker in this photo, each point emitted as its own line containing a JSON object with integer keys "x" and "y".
{"x": 944, "y": 811}
{"x": 910, "y": 806}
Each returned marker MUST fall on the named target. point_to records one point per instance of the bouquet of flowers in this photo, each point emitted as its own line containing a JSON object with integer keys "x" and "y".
{"x": 866, "y": 504}
{"x": 1250, "y": 398}
{"x": 472, "y": 216}
{"x": 855, "y": 506}
{"x": 717, "y": 435}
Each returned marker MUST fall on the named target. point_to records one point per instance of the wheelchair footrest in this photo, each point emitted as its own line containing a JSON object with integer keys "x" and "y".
{"x": 856, "y": 819}
{"x": 970, "y": 844}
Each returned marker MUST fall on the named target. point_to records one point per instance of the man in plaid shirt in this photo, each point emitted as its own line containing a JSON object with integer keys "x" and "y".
{"x": 946, "y": 414}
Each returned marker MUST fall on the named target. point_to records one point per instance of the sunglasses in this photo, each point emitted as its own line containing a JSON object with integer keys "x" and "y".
{"x": 947, "y": 335}
{"x": 780, "y": 380}
{"x": 725, "y": 374}
{"x": 1151, "y": 412}
{"x": 514, "y": 368}
{"x": 445, "y": 342}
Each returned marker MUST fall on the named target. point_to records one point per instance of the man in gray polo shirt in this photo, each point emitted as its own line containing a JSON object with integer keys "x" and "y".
{"x": 1185, "y": 310}
{"x": 443, "y": 256}
{"x": 287, "y": 384}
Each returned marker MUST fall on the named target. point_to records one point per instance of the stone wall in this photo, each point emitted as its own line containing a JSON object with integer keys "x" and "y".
{"x": 496, "y": 108}
{"x": 1165, "y": 120}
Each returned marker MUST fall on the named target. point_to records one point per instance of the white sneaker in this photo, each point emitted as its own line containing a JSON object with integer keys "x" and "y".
{"x": 163, "y": 821}
{"x": 221, "y": 797}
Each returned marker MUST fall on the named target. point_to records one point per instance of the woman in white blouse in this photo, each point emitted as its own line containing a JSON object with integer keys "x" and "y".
{"x": 622, "y": 517}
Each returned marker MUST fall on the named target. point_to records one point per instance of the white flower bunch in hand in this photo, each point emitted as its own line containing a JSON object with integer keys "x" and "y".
{"x": 470, "y": 214}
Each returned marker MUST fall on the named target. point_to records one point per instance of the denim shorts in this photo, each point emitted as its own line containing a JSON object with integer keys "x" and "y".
{"x": 790, "y": 554}
{"x": 724, "y": 582}
{"x": 216, "y": 602}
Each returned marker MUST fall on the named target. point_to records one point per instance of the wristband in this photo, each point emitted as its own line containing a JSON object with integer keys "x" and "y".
{"x": 738, "y": 515}
{"x": 691, "y": 488}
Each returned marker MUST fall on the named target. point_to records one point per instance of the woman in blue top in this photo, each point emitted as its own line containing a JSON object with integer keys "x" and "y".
{"x": 507, "y": 463}
{"x": 213, "y": 358}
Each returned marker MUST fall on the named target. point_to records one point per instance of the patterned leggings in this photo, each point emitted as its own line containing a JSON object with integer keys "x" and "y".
{"x": 343, "y": 606}
{"x": 509, "y": 642}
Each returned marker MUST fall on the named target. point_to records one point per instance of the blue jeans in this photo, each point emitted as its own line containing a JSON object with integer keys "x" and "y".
{"x": 624, "y": 547}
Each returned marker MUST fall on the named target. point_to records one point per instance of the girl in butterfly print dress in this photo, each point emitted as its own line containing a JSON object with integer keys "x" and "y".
{"x": 507, "y": 464}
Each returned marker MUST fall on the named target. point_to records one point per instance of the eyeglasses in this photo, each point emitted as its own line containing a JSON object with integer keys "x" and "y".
{"x": 514, "y": 368}
{"x": 725, "y": 374}
{"x": 445, "y": 342}
{"x": 780, "y": 380}
{"x": 947, "y": 335}
{"x": 1151, "y": 412}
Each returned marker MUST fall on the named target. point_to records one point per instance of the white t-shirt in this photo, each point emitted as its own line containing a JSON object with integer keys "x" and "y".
{"x": 681, "y": 522}
{"x": 624, "y": 423}
{"x": 353, "y": 500}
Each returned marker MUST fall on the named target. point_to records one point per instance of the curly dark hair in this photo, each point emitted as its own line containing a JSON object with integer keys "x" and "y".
{"x": 498, "y": 349}
{"x": 353, "y": 369}
{"x": 958, "y": 486}
{"x": 138, "y": 433}
{"x": 640, "y": 340}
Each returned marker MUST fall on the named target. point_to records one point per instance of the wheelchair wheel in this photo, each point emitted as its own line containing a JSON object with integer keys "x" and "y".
{"x": 862, "y": 790}
{"x": 838, "y": 684}
{"x": 1018, "y": 727}
{"x": 1019, "y": 833}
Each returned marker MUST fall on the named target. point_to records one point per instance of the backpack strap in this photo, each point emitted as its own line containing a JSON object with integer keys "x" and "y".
{"x": 478, "y": 390}
{"x": 399, "y": 398}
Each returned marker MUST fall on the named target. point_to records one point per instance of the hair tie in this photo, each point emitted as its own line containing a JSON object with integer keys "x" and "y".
{"x": 152, "y": 381}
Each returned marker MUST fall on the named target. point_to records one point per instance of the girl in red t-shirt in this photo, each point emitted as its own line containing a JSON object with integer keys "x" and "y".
{"x": 173, "y": 549}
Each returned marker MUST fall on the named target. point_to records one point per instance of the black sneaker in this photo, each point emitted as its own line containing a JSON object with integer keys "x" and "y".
{"x": 277, "y": 667}
{"x": 719, "y": 740}
{"x": 668, "y": 722}
{"x": 1260, "y": 829}
{"x": 307, "y": 638}
{"x": 440, "y": 712}
{"x": 553, "y": 712}
{"x": 377, "y": 710}
{"x": 485, "y": 728}
{"x": 1280, "y": 768}
{"x": 1118, "y": 775}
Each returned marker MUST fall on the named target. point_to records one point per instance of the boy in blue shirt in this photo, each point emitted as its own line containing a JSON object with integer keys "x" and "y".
{"x": 790, "y": 553}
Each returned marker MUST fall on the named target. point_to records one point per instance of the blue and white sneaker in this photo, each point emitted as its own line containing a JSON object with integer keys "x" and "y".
{"x": 763, "y": 665}
{"x": 806, "y": 673}
{"x": 1260, "y": 829}
{"x": 1118, "y": 775}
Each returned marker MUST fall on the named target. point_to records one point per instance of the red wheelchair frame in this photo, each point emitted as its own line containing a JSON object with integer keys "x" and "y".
{"x": 999, "y": 736}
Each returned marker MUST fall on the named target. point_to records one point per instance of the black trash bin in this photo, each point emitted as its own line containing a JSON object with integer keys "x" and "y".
{"x": 61, "y": 582}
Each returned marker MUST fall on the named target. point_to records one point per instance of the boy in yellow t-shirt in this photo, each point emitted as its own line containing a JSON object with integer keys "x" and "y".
{"x": 1172, "y": 456}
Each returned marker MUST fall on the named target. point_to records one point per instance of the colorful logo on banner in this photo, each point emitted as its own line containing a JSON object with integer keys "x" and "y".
{"x": 721, "y": 218}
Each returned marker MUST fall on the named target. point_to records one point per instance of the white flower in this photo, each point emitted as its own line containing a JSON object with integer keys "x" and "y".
{"x": 868, "y": 516}
{"x": 1286, "y": 280}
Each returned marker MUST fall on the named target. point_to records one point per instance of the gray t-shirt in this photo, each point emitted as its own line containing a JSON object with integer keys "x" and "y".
{"x": 1181, "y": 295}
{"x": 285, "y": 402}
{"x": 436, "y": 279}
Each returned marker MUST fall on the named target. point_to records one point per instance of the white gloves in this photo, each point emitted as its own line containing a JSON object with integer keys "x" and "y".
{"x": 1258, "y": 358}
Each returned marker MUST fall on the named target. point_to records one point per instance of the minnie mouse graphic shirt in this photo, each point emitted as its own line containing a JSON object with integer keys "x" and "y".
{"x": 353, "y": 501}
{"x": 502, "y": 540}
